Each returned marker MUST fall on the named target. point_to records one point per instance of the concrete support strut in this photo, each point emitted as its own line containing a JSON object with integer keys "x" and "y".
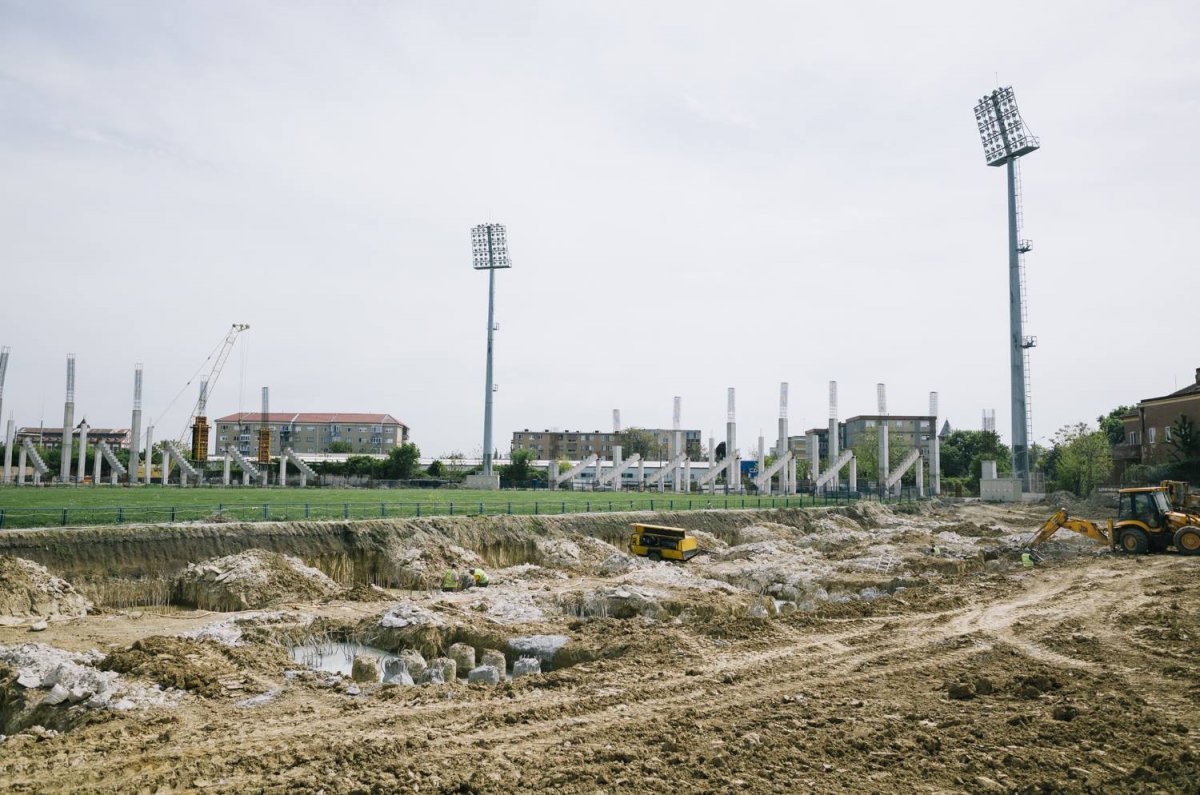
{"x": 830, "y": 475}
{"x": 305, "y": 470}
{"x": 557, "y": 479}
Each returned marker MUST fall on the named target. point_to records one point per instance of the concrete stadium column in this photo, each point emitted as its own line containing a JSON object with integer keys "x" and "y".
{"x": 10, "y": 436}
{"x": 96, "y": 467}
{"x": 82, "y": 469}
{"x": 21, "y": 467}
{"x": 166, "y": 466}
{"x": 149, "y": 454}
{"x": 225, "y": 474}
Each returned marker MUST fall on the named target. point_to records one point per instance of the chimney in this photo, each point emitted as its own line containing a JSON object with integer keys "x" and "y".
{"x": 1198, "y": 375}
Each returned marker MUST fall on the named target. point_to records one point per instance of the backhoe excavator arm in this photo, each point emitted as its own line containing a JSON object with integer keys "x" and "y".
{"x": 1060, "y": 521}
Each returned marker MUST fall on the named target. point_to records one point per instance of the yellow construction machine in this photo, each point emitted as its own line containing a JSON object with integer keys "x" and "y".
{"x": 662, "y": 543}
{"x": 1181, "y": 496}
{"x": 1145, "y": 522}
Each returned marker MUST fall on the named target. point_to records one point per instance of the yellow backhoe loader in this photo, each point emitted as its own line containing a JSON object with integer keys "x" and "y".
{"x": 1145, "y": 523}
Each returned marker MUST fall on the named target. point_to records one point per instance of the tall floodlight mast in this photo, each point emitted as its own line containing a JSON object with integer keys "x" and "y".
{"x": 1005, "y": 139}
{"x": 489, "y": 252}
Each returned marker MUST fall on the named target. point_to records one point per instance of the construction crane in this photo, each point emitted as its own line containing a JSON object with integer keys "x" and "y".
{"x": 198, "y": 418}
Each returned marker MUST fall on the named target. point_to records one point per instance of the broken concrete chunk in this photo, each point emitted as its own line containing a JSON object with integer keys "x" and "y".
{"x": 484, "y": 673}
{"x": 495, "y": 659}
{"x": 441, "y": 670}
{"x": 365, "y": 668}
{"x": 526, "y": 666}
{"x": 463, "y": 655}
{"x": 414, "y": 662}
{"x": 544, "y": 647}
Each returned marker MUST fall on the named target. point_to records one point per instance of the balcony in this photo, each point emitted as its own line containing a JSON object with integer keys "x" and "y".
{"x": 1127, "y": 452}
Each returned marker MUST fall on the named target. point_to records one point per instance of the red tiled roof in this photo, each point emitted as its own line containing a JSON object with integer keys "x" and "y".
{"x": 315, "y": 417}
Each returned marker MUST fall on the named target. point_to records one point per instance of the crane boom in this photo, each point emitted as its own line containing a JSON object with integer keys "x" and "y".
{"x": 197, "y": 419}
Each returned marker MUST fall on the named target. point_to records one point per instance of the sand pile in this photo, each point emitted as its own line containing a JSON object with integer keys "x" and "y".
{"x": 27, "y": 589}
{"x": 252, "y": 579}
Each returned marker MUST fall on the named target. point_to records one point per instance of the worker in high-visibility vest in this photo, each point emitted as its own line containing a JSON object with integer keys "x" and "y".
{"x": 449, "y": 580}
{"x": 481, "y": 578}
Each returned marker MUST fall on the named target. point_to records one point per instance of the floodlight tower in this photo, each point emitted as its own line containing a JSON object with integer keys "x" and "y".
{"x": 489, "y": 250}
{"x": 1005, "y": 139}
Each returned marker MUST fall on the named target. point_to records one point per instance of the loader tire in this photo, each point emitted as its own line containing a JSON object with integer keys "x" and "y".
{"x": 1134, "y": 542}
{"x": 654, "y": 554}
{"x": 1187, "y": 540}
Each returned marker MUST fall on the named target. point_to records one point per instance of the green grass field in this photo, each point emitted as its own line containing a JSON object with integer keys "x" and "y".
{"x": 86, "y": 505}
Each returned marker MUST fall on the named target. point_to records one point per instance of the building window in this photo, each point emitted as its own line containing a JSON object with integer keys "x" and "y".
{"x": 1167, "y": 433}
{"x": 1150, "y": 435}
{"x": 1133, "y": 437}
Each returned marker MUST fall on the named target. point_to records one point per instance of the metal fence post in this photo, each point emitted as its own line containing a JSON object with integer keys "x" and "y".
{"x": 418, "y": 510}
{"x": 535, "y": 507}
{"x": 345, "y": 510}
{"x": 172, "y": 515}
{"x": 451, "y": 509}
{"x": 564, "y": 507}
{"x": 306, "y": 513}
{"x": 120, "y": 516}
{"x": 510, "y": 509}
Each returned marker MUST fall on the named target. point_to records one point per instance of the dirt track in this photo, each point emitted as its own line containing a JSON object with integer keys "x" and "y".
{"x": 1077, "y": 676}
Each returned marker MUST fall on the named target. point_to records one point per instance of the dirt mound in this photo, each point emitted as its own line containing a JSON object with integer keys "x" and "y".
{"x": 365, "y": 593}
{"x": 43, "y": 686}
{"x": 27, "y": 589}
{"x": 249, "y": 580}
{"x": 205, "y": 668}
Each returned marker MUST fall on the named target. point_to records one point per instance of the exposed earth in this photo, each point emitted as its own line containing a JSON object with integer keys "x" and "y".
{"x": 852, "y": 650}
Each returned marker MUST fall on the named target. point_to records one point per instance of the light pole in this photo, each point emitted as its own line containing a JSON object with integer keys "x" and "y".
{"x": 489, "y": 251}
{"x": 1005, "y": 139}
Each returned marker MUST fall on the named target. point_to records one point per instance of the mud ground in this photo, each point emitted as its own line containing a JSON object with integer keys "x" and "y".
{"x": 1079, "y": 675}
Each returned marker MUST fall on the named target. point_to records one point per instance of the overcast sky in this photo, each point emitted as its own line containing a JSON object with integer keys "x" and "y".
{"x": 698, "y": 196}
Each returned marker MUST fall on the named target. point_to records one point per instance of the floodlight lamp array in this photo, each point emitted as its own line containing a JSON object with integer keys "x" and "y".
{"x": 489, "y": 247}
{"x": 1001, "y": 129}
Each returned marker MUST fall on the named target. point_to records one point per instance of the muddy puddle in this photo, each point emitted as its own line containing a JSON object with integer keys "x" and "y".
{"x": 337, "y": 657}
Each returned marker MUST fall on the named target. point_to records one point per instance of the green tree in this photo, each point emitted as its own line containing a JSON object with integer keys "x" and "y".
{"x": 866, "y": 452}
{"x": 401, "y": 463}
{"x": 1084, "y": 459}
{"x": 642, "y": 442}
{"x": 1111, "y": 424}
{"x": 520, "y": 469}
{"x": 436, "y": 469}
{"x": 1185, "y": 443}
{"x": 964, "y": 451}
{"x": 339, "y": 447}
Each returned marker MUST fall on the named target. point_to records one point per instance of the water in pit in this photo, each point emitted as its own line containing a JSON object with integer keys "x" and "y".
{"x": 336, "y": 657}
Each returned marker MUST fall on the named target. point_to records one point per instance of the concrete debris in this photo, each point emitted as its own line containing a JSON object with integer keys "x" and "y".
{"x": 39, "y": 626}
{"x": 365, "y": 668}
{"x": 28, "y": 589}
{"x": 414, "y": 663}
{"x": 463, "y": 655}
{"x": 441, "y": 670}
{"x": 487, "y": 674}
{"x": 526, "y": 666}
{"x": 543, "y": 647}
{"x": 495, "y": 659}
{"x": 260, "y": 699}
{"x": 67, "y": 678}
{"x": 407, "y": 614}
{"x": 395, "y": 672}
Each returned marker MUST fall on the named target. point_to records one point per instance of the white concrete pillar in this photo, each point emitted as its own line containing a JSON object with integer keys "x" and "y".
{"x": 225, "y": 474}
{"x": 96, "y": 468}
{"x": 762, "y": 460}
{"x": 283, "y": 470}
{"x": 10, "y": 436}
{"x": 641, "y": 474}
{"x": 166, "y": 466}
{"x": 885, "y": 461}
{"x": 791, "y": 477}
{"x": 853, "y": 473}
{"x": 834, "y": 452}
{"x": 687, "y": 475}
{"x": 21, "y": 467}
{"x": 616, "y": 459}
{"x": 920, "y": 469}
{"x": 935, "y": 465}
{"x": 553, "y": 484}
{"x": 814, "y": 456}
{"x": 82, "y": 469}
{"x": 149, "y": 458}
